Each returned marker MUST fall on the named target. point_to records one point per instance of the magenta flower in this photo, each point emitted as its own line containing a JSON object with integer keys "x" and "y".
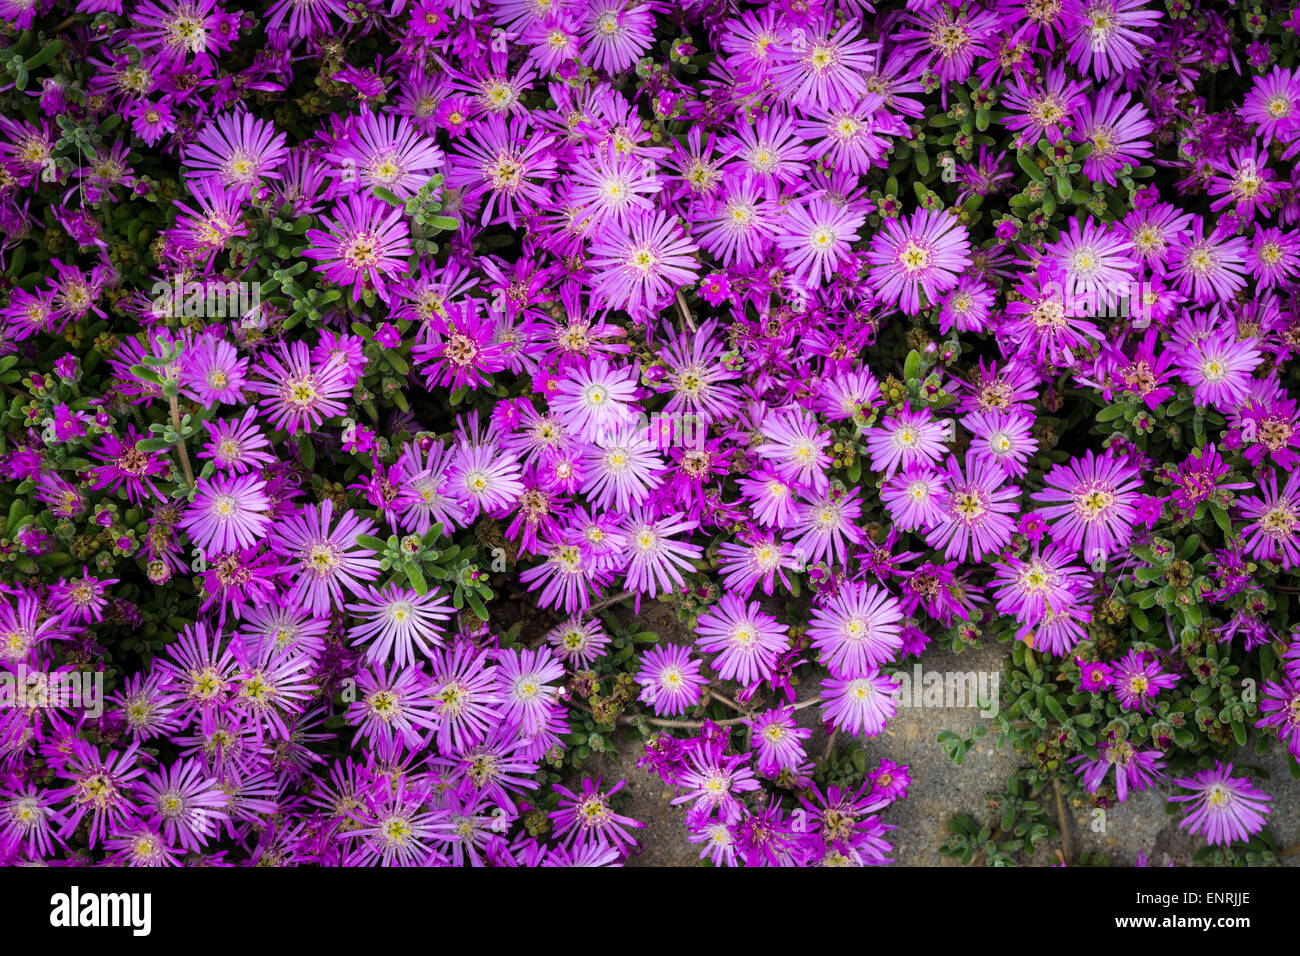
{"x": 860, "y": 705}
{"x": 976, "y": 511}
{"x": 365, "y": 241}
{"x": 1091, "y": 503}
{"x": 922, "y": 255}
{"x": 816, "y": 238}
{"x": 1135, "y": 770}
{"x": 586, "y": 818}
{"x": 856, "y": 630}
{"x": 670, "y": 680}
{"x": 1222, "y": 808}
{"x": 637, "y": 267}
{"x": 325, "y": 560}
{"x": 1273, "y": 532}
{"x": 300, "y": 393}
{"x": 228, "y": 513}
{"x": 746, "y": 640}
{"x": 1139, "y": 679}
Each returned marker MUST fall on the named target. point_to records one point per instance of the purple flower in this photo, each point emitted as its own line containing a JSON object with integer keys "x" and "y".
{"x": 1221, "y": 807}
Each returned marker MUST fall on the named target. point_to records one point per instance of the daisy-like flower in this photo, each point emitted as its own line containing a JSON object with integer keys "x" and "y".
{"x": 860, "y": 704}
{"x": 228, "y": 513}
{"x": 1244, "y": 182}
{"x": 613, "y": 187}
{"x": 1273, "y": 257}
{"x": 524, "y": 677}
{"x": 24, "y": 627}
{"x": 595, "y": 401}
{"x": 1002, "y": 438}
{"x": 212, "y": 372}
{"x": 101, "y": 787}
{"x": 209, "y": 228}
{"x": 386, "y": 150}
{"x": 856, "y": 629}
{"x": 1139, "y": 680}
{"x": 923, "y": 254}
{"x": 947, "y": 41}
{"x": 815, "y": 238}
{"x": 636, "y": 268}
{"x": 1049, "y": 324}
{"x": 714, "y": 782}
{"x": 912, "y": 498}
{"x": 185, "y": 802}
{"x": 586, "y": 818}
{"x": 1095, "y": 261}
{"x": 237, "y": 150}
{"x": 463, "y": 686}
{"x": 740, "y": 225}
{"x": 777, "y": 740}
{"x": 967, "y": 307}
{"x": 622, "y": 469}
{"x": 28, "y": 822}
{"x": 1273, "y": 105}
{"x": 697, "y": 376}
{"x": 616, "y": 33}
{"x": 1273, "y": 531}
{"x": 394, "y": 830}
{"x": 1211, "y": 359}
{"x": 853, "y": 137}
{"x": 501, "y": 160}
{"x": 1117, "y": 129}
{"x": 424, "y": 493}
{"x": 1043, "y": 107}
{"x": 1208, "y": 267}
{"x": 975, "y": 510}
{"x": 173, "y": 31}
{"x": 826, "y": 69}
{"x": 1280, "y": 709}
{"x": 796, "y": 445}
{"x": 1135, "y": 770}
{"x": 236, "y": 445}
{"x": 654, "y": 561}
{"x": 746, "y": 640}
{"x": 392, "y": 704}
{"x": 826, "y": 527}
{"x": 128, "y": 467}
{"x": 771, "y": 151}
{"x": 759, "y": 556}
{"x": 908, "y": 439}
{"x": 325, "y": 559}
{"x": 364, "y": 241}
{"x": 670, "y": 680}
{"x": 398, "y": 624}
{"x": 567, "y": 577}
{"x": 458, "y": 350}
{"x": 1091, "y": 503}
{"x": 1105, "y": 36}
{"x": 1032, "y": 588}
{"x": 80, "y": 600}
{"x": 1221, "y": 807}
{"x": 578, "y": 643}
{"x": 485, "y": 479}
{"x": 300, "y": 393}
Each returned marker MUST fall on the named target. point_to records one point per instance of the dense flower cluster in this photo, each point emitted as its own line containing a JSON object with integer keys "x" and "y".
{"x": 371, "y": 366}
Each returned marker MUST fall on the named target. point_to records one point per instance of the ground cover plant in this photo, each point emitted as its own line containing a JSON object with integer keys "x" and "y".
{"x": 372, "y": 370}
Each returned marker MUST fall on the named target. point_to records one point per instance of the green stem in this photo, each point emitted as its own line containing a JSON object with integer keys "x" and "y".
{"x": 180, "y": 445}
